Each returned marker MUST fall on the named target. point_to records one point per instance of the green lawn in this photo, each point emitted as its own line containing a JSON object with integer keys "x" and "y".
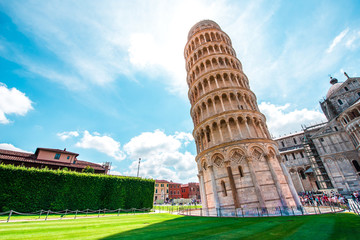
{"x": 166, "y": 226}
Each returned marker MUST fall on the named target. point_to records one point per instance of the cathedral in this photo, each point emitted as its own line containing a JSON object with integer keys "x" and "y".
{"x": 239, "y": 165}
{"x": 325, "y": 156}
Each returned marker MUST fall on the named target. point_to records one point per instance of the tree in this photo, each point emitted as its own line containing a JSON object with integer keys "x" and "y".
{"x": 88, "y": 169}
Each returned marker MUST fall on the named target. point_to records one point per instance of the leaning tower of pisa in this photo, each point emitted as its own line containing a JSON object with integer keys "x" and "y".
{"x": 238, "y": 162}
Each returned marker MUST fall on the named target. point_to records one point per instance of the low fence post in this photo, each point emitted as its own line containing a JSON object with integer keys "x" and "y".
{"x": 280, "y": 211}
{"x": 76, "y": 213}
{"x": 99, "y": 213}
{"x": 242, "y": 212}
{"x": 314, "y": 208}
{"x": 9, "y": 216}
{"x": 47, "y": 214}
{"x": 293, "y": 211}
{"x": 65, "y": 212}
{"x": 40, "y": 213}
{"x": 118, "y": 211}
{"x": 257, "y": 209}
{"x": 318, "y": 208}
{"x": 87, "y": 211}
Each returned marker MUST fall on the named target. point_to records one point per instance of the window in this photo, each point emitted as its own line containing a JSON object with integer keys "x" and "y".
{"x": 356, "y": 165}
{"x": 302, "y": 174}
{"x": 57, "y": 156}
{"x": 241, "y": 171}
{"x": 282, "y": 143}
{"x": 302, "y": 155}
{"x": 295, "y": 141}
{"x": 340, "y": 102}
{"x": 162, "y": 185}
{"x": 223, "y": 188}
{"x": 346, "y": 89}
{"x": 359, "y": 94}
{"x": 155, "y": 190}
{"x": 321, "y": 139}
{"x": 68, "y": 157}
{"x": 178, "y": 192}
{"x": 286, "y": 158}
{"x": 336, "y": 129}
{"x": 167, "y": 190}
{"x": 293, "y": 155}
{"x": 171, "y": 192}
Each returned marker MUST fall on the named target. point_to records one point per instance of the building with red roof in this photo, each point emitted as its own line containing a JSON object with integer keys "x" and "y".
{"x": 50, "y": 158}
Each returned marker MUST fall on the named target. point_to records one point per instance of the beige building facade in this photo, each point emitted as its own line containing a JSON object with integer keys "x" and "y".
{"x": 238, "y": 163}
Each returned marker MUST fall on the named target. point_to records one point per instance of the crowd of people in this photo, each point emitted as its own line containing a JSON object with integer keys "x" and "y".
{"x": 310, "y": 198}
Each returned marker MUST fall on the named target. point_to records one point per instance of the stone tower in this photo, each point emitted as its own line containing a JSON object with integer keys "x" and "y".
{"x": 238, "y": 162}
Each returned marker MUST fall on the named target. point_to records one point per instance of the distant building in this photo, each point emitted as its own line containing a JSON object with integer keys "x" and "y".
{"x": 161, "y": 190}
{"x": 326, "y": 156}
{"x": 174, "y": 190}
{"x": 166, "y": 191}
{"x": 191, "y": 191}
{"x": 50, "y": 158}
{"x": 185, "y": 191}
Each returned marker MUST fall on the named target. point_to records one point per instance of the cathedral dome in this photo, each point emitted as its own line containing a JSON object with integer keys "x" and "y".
{"x": 204, "y": 24}
{"x": 335, "y": 86}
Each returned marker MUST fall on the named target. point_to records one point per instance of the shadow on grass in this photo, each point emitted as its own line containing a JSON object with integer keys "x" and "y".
{"x": 329, "y": 226}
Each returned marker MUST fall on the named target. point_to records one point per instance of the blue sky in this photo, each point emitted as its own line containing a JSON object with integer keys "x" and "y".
{"x": 106, "y": 79}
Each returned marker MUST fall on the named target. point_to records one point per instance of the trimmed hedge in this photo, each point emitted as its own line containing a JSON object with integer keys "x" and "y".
{"x": 31, "y": 189}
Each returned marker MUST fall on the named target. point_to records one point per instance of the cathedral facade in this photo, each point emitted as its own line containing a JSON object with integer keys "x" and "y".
{"x": 326, "y": 156}
{"x": 238, "y": 163}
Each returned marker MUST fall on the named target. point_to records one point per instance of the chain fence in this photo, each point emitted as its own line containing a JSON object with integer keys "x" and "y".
{"x": 271, "y": 211}
{"x": 67, "y": 213}
{"x": 309, "y": 209}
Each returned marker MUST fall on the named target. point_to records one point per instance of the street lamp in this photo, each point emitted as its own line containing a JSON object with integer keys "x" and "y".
{"x": 138, "y": 168}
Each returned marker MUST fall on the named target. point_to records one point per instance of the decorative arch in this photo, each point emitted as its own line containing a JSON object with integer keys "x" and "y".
{"x": 237, "y": 156}
{"x": 217, "y": 159}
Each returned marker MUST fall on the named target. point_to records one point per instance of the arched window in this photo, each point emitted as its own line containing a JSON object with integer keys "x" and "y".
{"x": 302, "y": 174}
{"x": 356, "y": 165}
{"x": 241, "y": 171}
{"x": 340, "y": 102}
{"x": 223, "y": 188}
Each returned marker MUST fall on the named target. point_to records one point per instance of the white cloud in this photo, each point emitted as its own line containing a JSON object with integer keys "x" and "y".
{"x": 104, "y": 144}
{"x": 281, "y": 121}
{"x": 65, "y": 135}
{"x": 353, "y": 41}
{"x": 12, "y": 101}
{"x": 337, "y": 40}
{"x": 112, "y": 38}
{"x": 8, "y": 146}
{"x": 161, "y": 157}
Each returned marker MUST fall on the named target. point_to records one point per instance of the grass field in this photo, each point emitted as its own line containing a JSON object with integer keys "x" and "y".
{"x": 166, "y": 226}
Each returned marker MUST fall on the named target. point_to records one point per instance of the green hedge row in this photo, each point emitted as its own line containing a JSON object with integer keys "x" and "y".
{"x": 30, "y": 189}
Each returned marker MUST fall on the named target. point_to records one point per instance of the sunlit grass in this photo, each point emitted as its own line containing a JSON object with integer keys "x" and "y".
{"x": 166, "y": 226}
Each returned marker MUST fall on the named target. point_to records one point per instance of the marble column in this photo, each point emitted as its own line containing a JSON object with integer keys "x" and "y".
{"x": 233, "y": 186}
{"x": 299, "y": 179}
{"x": 202, "y": 190}
{"x": 290, "y": 182}
{"x": 213, "y": 185}
{"x": 258, "y": 191}
{"x": 276, "y": 181}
